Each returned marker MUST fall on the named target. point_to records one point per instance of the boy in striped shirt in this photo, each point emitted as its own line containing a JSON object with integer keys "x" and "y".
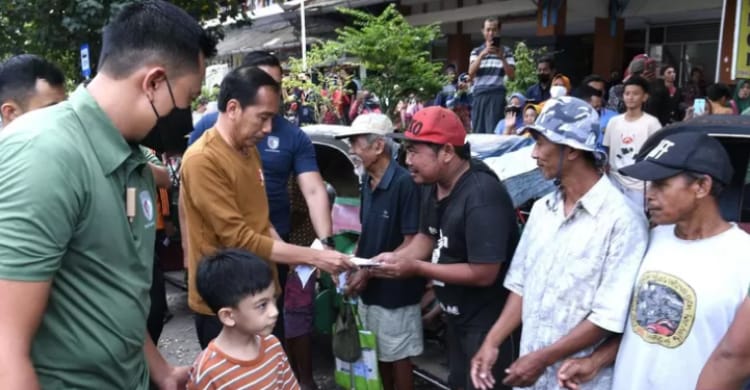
{"x": 238, "y": 286}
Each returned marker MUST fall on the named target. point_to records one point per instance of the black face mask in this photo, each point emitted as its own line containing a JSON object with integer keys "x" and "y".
{"x": 543, "y": 77}
{"x": 168, "y": 135}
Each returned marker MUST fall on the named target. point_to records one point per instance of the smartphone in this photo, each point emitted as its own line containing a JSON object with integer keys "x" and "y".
{"x": 699, "y": 107}
{"x": 496, "y": 42}
{"x": 516, "y": 110}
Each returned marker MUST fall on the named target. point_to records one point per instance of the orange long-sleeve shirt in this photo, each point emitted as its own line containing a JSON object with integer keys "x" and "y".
{"x": 225, "y": 205}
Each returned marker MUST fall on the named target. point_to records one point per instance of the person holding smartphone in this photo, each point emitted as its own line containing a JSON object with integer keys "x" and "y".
{"x": 488, "y": 66}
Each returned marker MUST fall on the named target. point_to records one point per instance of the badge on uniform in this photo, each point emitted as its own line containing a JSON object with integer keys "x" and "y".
{"x": 273, "y": 142}
{"x": 147, "y": 205}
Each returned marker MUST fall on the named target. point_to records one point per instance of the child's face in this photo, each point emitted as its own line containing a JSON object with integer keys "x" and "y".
{"x": 634, "y": 97}
{"x": 255, "y": 314}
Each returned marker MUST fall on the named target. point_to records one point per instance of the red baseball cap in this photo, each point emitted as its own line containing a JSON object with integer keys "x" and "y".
{"x": 435, "y": 125}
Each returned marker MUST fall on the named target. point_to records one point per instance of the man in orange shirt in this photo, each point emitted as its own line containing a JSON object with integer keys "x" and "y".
{"x": 223, "y": 192}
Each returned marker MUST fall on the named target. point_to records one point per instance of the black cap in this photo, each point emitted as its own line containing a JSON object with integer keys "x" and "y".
{"x": 681, "y": 152}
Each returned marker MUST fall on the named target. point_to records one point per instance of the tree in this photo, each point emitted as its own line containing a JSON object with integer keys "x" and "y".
{"x": 526, "y": 59}
{"x": 55, "y": 29}
{"x": 395, "y": 54}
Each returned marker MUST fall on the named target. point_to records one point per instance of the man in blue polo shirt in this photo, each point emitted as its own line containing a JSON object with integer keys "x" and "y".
{"x": 390, "y": 218}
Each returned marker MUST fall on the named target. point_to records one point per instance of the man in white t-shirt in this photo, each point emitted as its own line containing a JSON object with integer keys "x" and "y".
{"x": 692, "y": 280}
{"x": 625, "y": 135}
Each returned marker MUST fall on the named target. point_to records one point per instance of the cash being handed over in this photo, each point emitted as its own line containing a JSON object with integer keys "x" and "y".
{"x": 363, "y": 263}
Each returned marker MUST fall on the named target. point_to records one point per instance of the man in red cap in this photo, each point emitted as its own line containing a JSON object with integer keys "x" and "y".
{"x": 467, "y": 226}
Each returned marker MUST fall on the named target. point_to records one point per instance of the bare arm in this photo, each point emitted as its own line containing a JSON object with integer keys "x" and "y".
{"x": 510, "y": 70}
{"x": 312, "y": 188}
{"x": 474, "y": 65}
{"x": 419, "y": 247}
{"x": 486, "y": 357}
{"x": 584, "y": 335}
{"x": 163, "y": 374}
{"x": 528, "y": 368}
{"x": 21, "y": 318}
{"x": 509, "y": 320}
{"x": 466, "y": 274}
{"x": 577, "y": 371}
{"x": 729, "y": 364}
{"x": 161, "y": 175}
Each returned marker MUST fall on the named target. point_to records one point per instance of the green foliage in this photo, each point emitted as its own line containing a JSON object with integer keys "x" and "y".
{"x": 55, "y": 29}
{"x": 314, "y": 93}
{"x": 525, "y": 68}
{"x": 395, "y": 54}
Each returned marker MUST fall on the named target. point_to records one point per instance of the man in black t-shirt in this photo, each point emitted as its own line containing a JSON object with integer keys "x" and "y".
{"x": 468, "y": 225}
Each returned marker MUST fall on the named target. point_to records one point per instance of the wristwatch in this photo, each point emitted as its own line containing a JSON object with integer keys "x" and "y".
{"x": 328, "y": 241}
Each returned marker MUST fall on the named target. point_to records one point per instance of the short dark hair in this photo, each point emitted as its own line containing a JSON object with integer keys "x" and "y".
{"x": 638, "y": 81}
{"x": 593, "y": 78}
{"x": 261, "y": 58}
{"x": 548, "y": 59}
{"x": 714, "y": 92}
{"x": 229, "y": 276}
{"x": 717, "y": 187}
{"x": 585, "y": 92}
{"x": 18, "y": 76}
{"x": 665, "y": 67}
{"x": 153, "y": 30}
{"x": 243, "y": 84}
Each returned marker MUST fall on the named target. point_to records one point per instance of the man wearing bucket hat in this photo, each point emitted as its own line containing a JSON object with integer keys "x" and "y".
{"x": 574, "y": 267}
{"x": 468, "y": 224}
{"x": 389, "y": 215}
{"x": 693, "y": 278}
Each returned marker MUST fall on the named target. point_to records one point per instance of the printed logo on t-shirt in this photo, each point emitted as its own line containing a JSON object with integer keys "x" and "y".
{"x": 626, "y": 150}
{"x": 442, "y": 242}
{"x": 147, "y": 205}
{"x": 663, "y": 309}
{"x": 450, "y": 309}
{"x": 273, "y": 142}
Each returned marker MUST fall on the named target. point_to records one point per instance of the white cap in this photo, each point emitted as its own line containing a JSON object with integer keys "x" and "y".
{"x": 378, "y": 124}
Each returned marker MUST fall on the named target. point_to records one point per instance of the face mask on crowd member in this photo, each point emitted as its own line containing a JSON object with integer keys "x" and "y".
{"x": 557, "y": 91}
{"x": 544, "y": 71}
{"x": 169, "y": 130}
{"x": 28, "y": 82}
{"x": 161, "y": 89}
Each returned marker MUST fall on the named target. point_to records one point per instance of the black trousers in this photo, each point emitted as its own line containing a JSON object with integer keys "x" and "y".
{"x": 463, "y": 344}
{"x": 158, "y": 294}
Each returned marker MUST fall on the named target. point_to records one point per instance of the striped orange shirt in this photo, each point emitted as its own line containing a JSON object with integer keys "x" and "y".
{"x": 214, "y": 370}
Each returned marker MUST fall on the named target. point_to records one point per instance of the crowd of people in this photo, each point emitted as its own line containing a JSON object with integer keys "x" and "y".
{"x": 607, "y": 286}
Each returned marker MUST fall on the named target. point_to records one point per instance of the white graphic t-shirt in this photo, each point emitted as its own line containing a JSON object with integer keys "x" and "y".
{"x": 685, "y": 297}
{"x": 624, "y": 139}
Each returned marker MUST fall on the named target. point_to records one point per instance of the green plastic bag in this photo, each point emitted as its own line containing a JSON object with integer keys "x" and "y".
{"x": 362, "y": 374}
{"x": 327, "y": 301}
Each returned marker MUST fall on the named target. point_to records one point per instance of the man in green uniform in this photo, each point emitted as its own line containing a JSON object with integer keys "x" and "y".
{"x": 78, "y": 215}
